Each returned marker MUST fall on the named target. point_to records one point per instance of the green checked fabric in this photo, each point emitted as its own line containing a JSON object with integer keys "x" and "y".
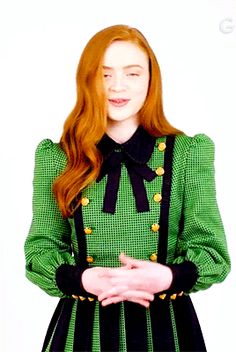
{"x": 198, "y": 237}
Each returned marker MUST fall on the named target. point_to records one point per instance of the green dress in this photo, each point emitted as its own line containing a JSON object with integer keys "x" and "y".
{"x": 196, "y": 249}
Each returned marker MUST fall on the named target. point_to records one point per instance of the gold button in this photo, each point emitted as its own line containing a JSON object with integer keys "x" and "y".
{"x": 163, "y": 296}
{"x": 91, "y": 299}
{"x": 88, "y": 230}
{"x": 153, "y": 257}
{"x": 161, "y": 146}
{"x": 90, "y": 259}
{"x": 84, "y": 201}
{"x": 157, "y": 197}
{"x": 160, "y": 171}
{"x": 75, "y": 297}
{"x": 155, "y": 227}
{"x": 173, "y": 296}
{"x": 82, "y": 298}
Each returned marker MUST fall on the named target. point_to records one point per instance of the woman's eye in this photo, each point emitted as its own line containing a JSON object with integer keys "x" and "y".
{"x": 132, "y": 74}
{"x": 106, "y": 75}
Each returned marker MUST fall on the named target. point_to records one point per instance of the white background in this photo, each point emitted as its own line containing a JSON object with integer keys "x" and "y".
{"x": 40, "y": 46}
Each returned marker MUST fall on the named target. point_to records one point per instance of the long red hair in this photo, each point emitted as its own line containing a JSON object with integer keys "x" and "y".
{"x": 87, "y": 122}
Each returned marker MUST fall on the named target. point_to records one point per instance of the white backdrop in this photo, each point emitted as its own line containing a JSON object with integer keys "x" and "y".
{"x": 40, "y": 45}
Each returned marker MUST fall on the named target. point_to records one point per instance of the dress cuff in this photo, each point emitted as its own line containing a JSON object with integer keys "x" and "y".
{"x": 185, "y": 276}
{"x": 68, "y": 279}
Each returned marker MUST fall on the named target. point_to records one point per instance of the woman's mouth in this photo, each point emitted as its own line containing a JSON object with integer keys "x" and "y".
{"x": 118, "y": 102}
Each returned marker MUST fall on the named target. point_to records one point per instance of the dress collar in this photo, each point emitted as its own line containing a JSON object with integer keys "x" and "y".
{"x": 138, "y": 148}
{"x": 135, "y": 154}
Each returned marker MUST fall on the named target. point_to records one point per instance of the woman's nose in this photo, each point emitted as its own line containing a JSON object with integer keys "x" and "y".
{"x": 118, "y": 84}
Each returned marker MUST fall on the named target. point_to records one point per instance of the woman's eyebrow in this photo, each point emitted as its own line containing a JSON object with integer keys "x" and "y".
{"x": 128, "y": 66}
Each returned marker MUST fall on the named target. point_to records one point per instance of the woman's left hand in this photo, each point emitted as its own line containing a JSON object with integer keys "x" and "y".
{"x": 135, "y": 280}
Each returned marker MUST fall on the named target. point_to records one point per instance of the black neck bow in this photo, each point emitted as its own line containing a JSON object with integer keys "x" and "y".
{"x": 135, "y": 154}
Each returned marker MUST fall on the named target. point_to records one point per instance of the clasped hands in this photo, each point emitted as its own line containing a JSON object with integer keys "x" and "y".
{"x": 135, "y": 281}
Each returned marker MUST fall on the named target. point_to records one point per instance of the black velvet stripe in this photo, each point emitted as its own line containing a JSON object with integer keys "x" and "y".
{"x": 68, "y": 279}
{"x": 137, "y": 173}
{"x": 85, "y": 309}
{"x": 53, "y": 324}
{"x": 111, "y": 192}
{"x": 109, "y": 327}
{"x": 81, "y": 239}
{"x": 61, "y": 330}
{"x": 139, "y": 191}
{"x": 162, "y": 331}
{"x": 165, "y": 204}
{"x": 136, "y": 327}
{"x": 84, "y": 326}
{"x": 188, "y": 328}
{"x": 185, "y": 276}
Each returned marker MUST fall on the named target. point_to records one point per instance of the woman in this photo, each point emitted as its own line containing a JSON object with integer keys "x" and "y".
{"x": 125, "y": 216}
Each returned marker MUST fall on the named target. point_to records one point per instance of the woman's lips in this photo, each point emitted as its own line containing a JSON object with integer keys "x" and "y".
{"x": 118, "y": 102}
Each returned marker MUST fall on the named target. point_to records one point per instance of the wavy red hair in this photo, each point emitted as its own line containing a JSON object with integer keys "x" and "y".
{"x": 87, "y": 122}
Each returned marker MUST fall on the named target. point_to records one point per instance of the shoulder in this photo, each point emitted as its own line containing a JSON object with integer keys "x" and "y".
{"x": 50, "y": 154}
{"x": 199, "y": 144}
{"x": 192, "y": 141}
{"x": 193, "y": 152}
{"x": 48, "y": 146}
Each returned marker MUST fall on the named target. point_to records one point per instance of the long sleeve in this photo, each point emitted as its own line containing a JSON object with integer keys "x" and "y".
{"x": 49, "y": 259}
{"x": 202, "y": 257}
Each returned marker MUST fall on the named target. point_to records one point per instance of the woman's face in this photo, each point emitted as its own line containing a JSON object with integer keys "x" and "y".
{"x": 126, "y": 80}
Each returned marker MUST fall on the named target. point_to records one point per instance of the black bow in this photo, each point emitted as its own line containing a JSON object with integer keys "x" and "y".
{"x": 134, "y": 154}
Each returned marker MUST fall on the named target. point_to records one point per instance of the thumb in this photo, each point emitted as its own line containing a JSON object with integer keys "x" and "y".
{"x": 131, "y": 262}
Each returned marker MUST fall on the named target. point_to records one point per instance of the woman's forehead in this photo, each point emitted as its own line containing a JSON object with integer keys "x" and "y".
{"x": 124, "y": 54}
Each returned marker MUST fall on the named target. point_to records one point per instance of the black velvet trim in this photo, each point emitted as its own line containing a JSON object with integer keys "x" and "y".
{"x": 188, "y": 329}
{"x": 139, "y": 191}
{"x": 53, "y": 324}
{"x": 165, "y": 203}
{"x": 136, "y": 327}
{"x": 109, "y": 317}
{"x": 75, "y": 272}
{"x": 81, "y": 239}
{"x": 111, "y": 191}
{"x": 84, "y": 326}
{"x": 60, "y": 335}
{"x": 185, "y": 276}
{"x": 162, "y": 330}
{"x": 134, "y": 154}
{"x": 139, "y": 147}
{"x": 68, "y": 279}
{"x": 137, "y": 174}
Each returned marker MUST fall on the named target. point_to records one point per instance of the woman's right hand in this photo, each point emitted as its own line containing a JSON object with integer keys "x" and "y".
{"x": 93, "y": 281}
{"x": 97, "y": 281}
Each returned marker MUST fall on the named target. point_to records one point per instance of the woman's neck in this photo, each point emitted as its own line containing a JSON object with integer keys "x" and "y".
{"x": 121, "y": 131}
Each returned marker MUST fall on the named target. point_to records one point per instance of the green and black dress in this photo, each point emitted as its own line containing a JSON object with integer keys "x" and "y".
{"x": 153, "y": 200}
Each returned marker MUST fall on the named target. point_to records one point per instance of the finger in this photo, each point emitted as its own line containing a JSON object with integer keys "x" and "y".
{"x": 134, "y": 263}
{"x": 126, "y": 294}
{"x": 118, "y": 299}
{"x": 125, "y": 259}
{"x": 114, "y": 291}
{"x": 142, "y": 302}
{"x": 112, "y": 300}
{"x": 136, "y": 294}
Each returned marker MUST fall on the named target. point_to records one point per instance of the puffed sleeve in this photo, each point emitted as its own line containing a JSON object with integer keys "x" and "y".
{"x": 202, "y": 257}
{"x": 50, "y": 263}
